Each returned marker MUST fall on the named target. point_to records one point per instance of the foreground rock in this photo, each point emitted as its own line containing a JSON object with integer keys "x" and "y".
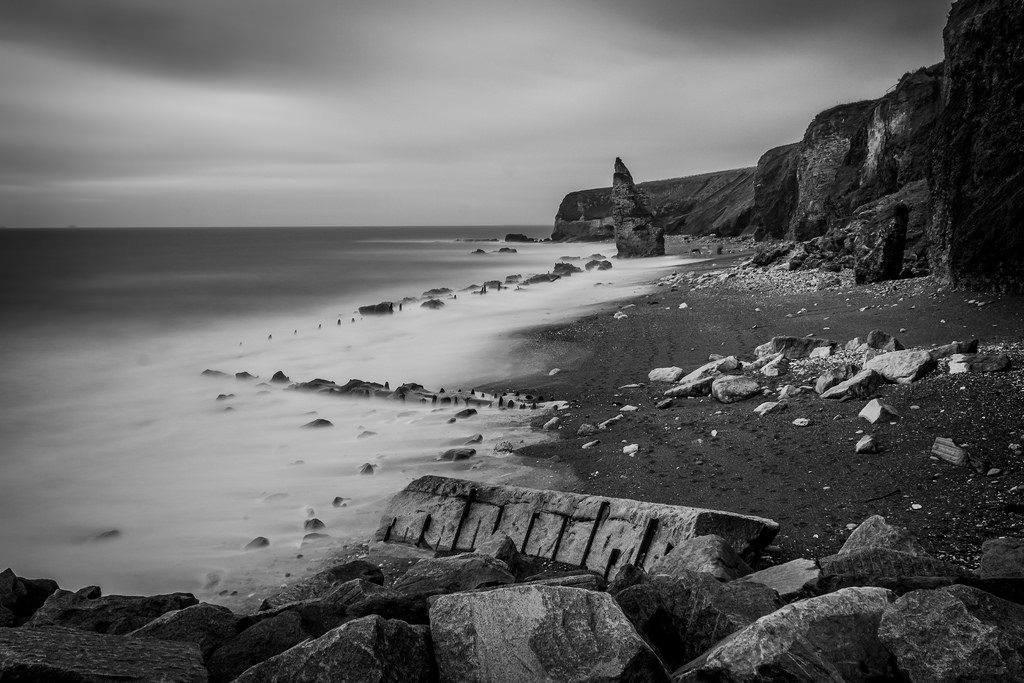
{"x": 114, "y": 614}
{"x": 591, "y": 532}
{"x": 367, "y": 649}
{"x": 466, "y": 572}
{"x": 956, "y": 633}
{"x": 530, "y": 633}
{"x": 206, "y": 626}
{"x": 61, "y": 655}
{"x": 710, "y": 555}
{"x": 829, "y": 638}
{"x": 636, "y": 235}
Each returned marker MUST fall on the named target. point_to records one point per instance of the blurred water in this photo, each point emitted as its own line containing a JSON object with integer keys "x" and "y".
{"x": 107, "y": 423}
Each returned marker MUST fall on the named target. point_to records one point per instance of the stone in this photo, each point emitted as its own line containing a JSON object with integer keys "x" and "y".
{"x": 61, "y": 655}
{"x": 820, "y": 352}
{"x": 552, "y": 424}
{"x": 502, "y": 548}
{"x": 256, "y": 644}
{"x": 1002, "y": 558}
{"x": 876, "y": 532}
{"x": 671, "y": 374}
{"x": 710, "y": 555}
{"x": 883, "y": 341}
{"x": 453, "y": 574}
{"x": 770, "y": 407}
{"x": 902, "y": 366}
{"x": 866, "y": 444}
{"x": 20, "y": 597}
{"x": 636, "y": 234}
{"x": 948, "y": 350}
{"x": 792, "y": 347}
{"x": 883, "y": 567}
{"x": 318, "y": 423}
{"x": 834, "y": 376}
{"x": 113, "y": 614}
{"x": 325, "y": 582}
{"x": 684, "y": 615}
{"x": 832, "y": 637}
{"x": 862, "y": 385}
{"x": 979, "y": 362}
{"x": 367, "y": 468}
{"x": 590, "y": 532}
{"x": 955, "y": 633}
{"x": 383, "y": 308}
{"x": 586, "y": 429}
{"x": 257, "y": 543}
{"x": 368, "y": 649}
{"x": 534, "y": 633}
{"x": 208, "y": 626}
{"x": 598, "y": 264}
{"x": 456, "y": 454}
{"x": 780, "y": 365}
{"x": 733, "y": 388}
{"x": 664, "y": 403}
{"x": 802, "y": 422}
{"x": 693, "y": 387}
{"x": 245, "y": 376}
{"x": 947, "y": 450}
{"x": 791, "y": 580}
{"x": 432, "y": 304}
{"x": 875, "y": 410}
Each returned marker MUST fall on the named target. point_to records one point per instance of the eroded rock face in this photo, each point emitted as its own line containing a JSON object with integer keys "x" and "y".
{"x": 977, "y": 235}
{"x": 775, "y": 191}
{"x": 529, "y": 633}
{"x": 636, "y": 235}
{"x": 879, "y": 236}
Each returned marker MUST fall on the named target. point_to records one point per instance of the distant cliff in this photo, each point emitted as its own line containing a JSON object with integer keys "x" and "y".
{"x": 720, "y": 203}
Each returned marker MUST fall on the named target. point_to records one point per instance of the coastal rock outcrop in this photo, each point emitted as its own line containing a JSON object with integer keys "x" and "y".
{"x": 636, "y": 236}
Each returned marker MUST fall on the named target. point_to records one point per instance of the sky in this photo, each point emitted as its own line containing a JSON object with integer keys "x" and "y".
{"x": 412, "y": 112}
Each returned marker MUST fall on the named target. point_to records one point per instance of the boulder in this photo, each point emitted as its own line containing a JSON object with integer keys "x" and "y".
{"x": 432, "y": 304}
{"x": 948, "y": 350}
{"x": 565, "y": 269}
{"x": 875, "y": 532}
{"x": 692, "y": 387}
{"x": 325, "y": 582}
{"x": 733, "y": 388}
{"x": 65, "y": 656}
{"x": 956, "y": 633}
{"x": 636, "y": 234}
{"x": 834, "y": 376}
{"x": 671, "y": 374}
{"x": 1002, "y": 558}
{"x": 866, "y": 444}
{"x": 456, "y": 454}
{"x": 875, "y": 410}
{"x": 113, "y": 614}
{"x": 883, "y": 341}
{"x": 534, "y": 633}
{"x": 391, "y": 604}
{"x": 320, "y": 614}
{"x": 684, "y": 615}
{"x": 598, "y": 264}
{"x": 770, "y": 407}
{"x": 453, "y": 574}
{"x": 862, "y": 385}
{"x": 367, "y": 649}
{"x": 879, "y": 232}
{"x": 541, "y": 278}
{"x": 710, "y": 555}
{"x": 318, "y": 423}
{"x": 259, "y": 642}
{"x": 979, "y": 362}
{"x": 502, "y": 548}
{"x": 590, "y": 532}
{"x": 902, "y": 366}
{"x": 383, "y": 308}
{"x": 791, "y": 580}
{"x": 20, "y": 597}
{"x": 780, "y": 364}
{"x": 792, "y": 347}
{"x": 208, "y": 626}
{"x": 828, "y": 638}
{"x": 884, "y": 567}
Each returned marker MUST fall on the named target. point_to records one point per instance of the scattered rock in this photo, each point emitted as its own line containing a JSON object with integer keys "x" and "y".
{"x": 877, "y": 339}
{"x": 113, "y": 614}
{"x": 367, "y": 468}
{"x": 866, "y": 444}
{"x": 862, "y": 385}
{"x": 952, "y": 348}
{"x": 978, "y": 362}
{"x": 875, "y": 410}
{"x": 257, "y": 543}
{"x": 671, "y": 374}
{"x": 318, "y": 423}
{"x": 770, "y": 407}
{"x": 383, "y": 308}
{"x": 694, "y": 387}
{"x": 902, "y": 366}
{"x": 732, "y": 388}
{"x": 552, "y": 424}
{"x": 280, "y": 378}
{"x": 792, "y": 347}
{"x": 452, "y": 574}
{"x": 802, "y": 422}
{"x": 834, "y": 376}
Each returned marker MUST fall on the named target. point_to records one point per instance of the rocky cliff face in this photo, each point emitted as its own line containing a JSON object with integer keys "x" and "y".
{"x": 775, "y": 191}
{"x": 636, "y": 236}
{"x": 720, "y": 203}
{"x": 977, "y": 178}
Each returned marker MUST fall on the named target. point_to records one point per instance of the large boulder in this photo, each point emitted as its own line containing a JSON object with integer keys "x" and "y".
{"x": 885, "y": 567}
{"x": 879, "y": 235}
{"x": 636, "y": 234}
{"x": 550, "y": 633}
{"x": 671, "y": 374}
{"x": 834, "y": 376}
{"x": 113, "y": 614}
{"x": 259, "y": 642}
{"x": 956, "y": 633}
{"x": 685, "y": 614}
{"x": 979, "y": 362}
{"x": 828, "y": 638}
{"x": 875, "y": 532}
{"x": 452, "y": 574}
{"x": 66, "y": 656}
{"x": 711, "y": 555}
{"x": 325, "y": 582}
{"x": 208, "y": 626}
{"x": 700, "y": 386}
{"x": 733, "y": 388}
{"x": 367, "y": 649}
{"x": 791, "y": 580}
{"x": 793, "y": 347}
{"x": 21, "y": 597}
{"x": 383, "y": 308}
{"x": 904, "y": 366}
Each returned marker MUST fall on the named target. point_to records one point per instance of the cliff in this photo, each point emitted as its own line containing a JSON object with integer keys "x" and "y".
{"x": 977, "y": 175}
{"x": 720, "y": 203}
{"x": 636, "y": 235}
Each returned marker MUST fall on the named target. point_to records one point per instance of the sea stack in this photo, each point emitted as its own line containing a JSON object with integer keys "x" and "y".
{"x": 636, "y": 236}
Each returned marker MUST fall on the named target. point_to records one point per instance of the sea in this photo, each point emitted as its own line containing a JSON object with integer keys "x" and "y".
{"x": 123, "y": 465}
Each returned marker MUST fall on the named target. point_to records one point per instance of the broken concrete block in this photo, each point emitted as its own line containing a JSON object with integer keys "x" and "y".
{"x": 949, "y": 451}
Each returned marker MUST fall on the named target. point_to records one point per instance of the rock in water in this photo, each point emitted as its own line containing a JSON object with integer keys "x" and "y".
{"x": 538, "y": 633}
{"x": 636, "y": 236}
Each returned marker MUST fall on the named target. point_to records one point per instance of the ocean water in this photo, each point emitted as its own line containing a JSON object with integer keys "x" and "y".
{"x": 107, "y": 423}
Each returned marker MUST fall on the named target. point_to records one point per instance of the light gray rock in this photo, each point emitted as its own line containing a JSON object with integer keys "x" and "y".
{"x": 770, "y": 407}
{"x": 834, "y": 376}
{"x": 875, "y": 410}
{"x": 875, "y": 532}
{"x": 979, "y": 362}
{"x": 671, "y": 374}
{"x": 790, "y": 580}
{"x": 368, "y": 649}
{"x": 947, "y": 350}
{"x": 733, "y": 388}
{"x": 902, "y": 366}
{"x": 538, "y": 633}
{"x": 710, "y": 555}
{"x": 828, "y": 638}
{"x": 792, "y": 347}
{"x": 862, "y": 385}
{"x": 883, "y": 341}
{"x": 956, "y": 633}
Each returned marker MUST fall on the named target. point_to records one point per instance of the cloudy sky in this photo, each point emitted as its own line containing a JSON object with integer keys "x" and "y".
{"x": 412, "y": 112}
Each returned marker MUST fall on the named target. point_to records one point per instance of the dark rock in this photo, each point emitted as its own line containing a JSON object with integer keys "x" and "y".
{"x": 113, "y": 614}
{"x": 883, "y": 341}
{"x": 684, "y": 615}
{"x": 476, "y": 438}
{"x": 710, "y": 555}
{"x": 339, "y": 502}
{"x": 432, "y": 304}
{"x": 439, "y": 291}
{"x": 828, "y": 638}
{"x": 366, "y": 434}
{"x": 885, "y": 567}
{"x": 502, "y": 548}
{"x": 599, "y": 265}
{"x": 791, "y": 580}
{"x": 256, "y": 644}
{"x": 280, "y": 378}
{"x": 977, "y": 236}
{"x": 320, "y": 613}
{"x": 1002, "y": 558}
{"x": 208, "y": 626}
{"x": 318, "y": 423}
{"x": 518, "y": 237}
{"x": 452, "y": 574}
{"x": 257, "y": 543}
{"x": 879, "y": 233}
{"x": 955, "y": 633}
{"x": 455, "y": 454}
{"x": 224, "y": 397}
{"x": 383, "y": 308}
{"x": 367, "y": 468}
{"x": 775, "y": 191}
{"x": 508, "y": 250}
{"x": 57, "y": 655}
{"x": 565, "y": 269}
{"x": 636, "y": 236}
{"x": 465, "y": 413}
{"x": 478, "y": 251}
{"x": 541, "y": 278}
{"x": 629, "y": 575}
{"x": 327, "y": 581}
{"x": 392, "y": 604}
{"x": 520, "y": 633}
{"x": 947, "y": 350}
{"x": 245, "y": 376}
{"x": 862, "y": 385}
{"x": 367, "y": 649}
{"x": 20, "y": 597}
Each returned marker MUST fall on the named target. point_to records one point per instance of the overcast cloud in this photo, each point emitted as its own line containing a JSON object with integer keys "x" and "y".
{"x": 458, "y": 112}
